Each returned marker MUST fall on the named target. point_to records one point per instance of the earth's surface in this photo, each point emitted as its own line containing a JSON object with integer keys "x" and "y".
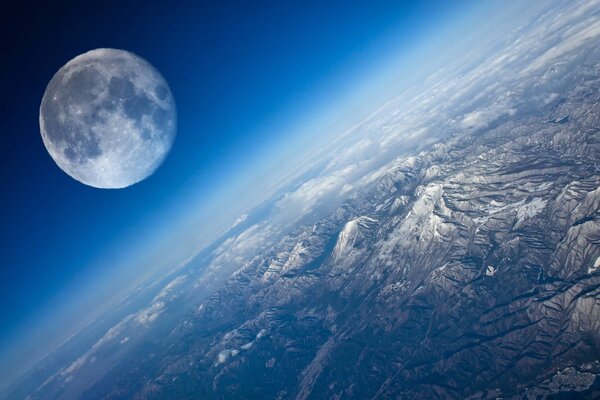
{"x": 447, "y": 247}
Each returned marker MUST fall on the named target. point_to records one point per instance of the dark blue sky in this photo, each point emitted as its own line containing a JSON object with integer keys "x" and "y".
{"x": 238, "y": 70}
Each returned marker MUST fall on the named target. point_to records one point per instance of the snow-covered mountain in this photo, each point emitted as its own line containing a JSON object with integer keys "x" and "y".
{"x": 447, "y": 247}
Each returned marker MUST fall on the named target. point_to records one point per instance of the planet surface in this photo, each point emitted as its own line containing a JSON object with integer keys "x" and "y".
{"x": 108, "y": 118}
{"x": 447, "y": 247}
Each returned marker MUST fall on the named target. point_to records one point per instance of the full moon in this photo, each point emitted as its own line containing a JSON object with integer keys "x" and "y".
{"x": 108, "y": 118}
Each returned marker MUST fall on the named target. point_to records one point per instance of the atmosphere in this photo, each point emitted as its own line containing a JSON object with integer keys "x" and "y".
{"x": 246, "y": 80}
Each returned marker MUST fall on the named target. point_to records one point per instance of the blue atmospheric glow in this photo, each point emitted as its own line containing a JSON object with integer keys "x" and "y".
{"x": 258, "y": 88}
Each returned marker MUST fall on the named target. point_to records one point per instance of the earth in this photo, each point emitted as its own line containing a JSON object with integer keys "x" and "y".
{"x": 446, "y": 247}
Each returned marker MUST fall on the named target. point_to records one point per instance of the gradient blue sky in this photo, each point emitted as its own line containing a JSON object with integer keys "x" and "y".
{"x": 255, "y": 83}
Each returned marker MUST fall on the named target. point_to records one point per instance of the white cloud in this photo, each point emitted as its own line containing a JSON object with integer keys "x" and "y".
{"x": 303, "y": 200}
{"x": 110, "y": 335}
{"x": 149, "y": 314}
{"x": 169, "y": 288}
{"x": 237, "y": 249}
{"x": 238, "y": 221}
{"x": 223, "y": 356}
{"x": 483, "y": 118}
{"x": 143, "y": 317}
{"x": 573, "y": 37}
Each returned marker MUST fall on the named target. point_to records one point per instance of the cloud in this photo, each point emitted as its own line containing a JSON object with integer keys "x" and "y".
{"x": 571, "y": 37}
{"x": 224, "y": 355}
{"x": 149, "y": 314}
{"x": 238, "y": 221}
{"x": 143, "y": 317}
{"x": 316, "y": 191}
{"x": 483, "y": 118}
{"x": 110, "y": 335}
{"x": 169, "y": 288}
{"x": 239, "y": 248}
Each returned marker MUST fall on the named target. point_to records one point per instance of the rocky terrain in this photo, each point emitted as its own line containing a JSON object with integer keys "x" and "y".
{"x": 461, "y": 262}
{"x": 472, "y": 271}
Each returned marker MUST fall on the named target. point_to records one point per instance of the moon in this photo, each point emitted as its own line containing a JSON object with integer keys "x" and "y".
{"x": 108, "y": 118}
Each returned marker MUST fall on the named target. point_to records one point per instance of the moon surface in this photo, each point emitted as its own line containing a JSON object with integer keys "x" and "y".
{"x": 108, "y": 118}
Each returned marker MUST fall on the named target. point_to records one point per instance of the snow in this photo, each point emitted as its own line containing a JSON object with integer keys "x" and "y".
{"x": 531, "y": 209}
{"x": 223, "y": 356}
{"x": 595, "y": 266}
{"x": 247, "y": 345}
{"x": 351, "y": 233}
{"x": 262, "y": 333}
